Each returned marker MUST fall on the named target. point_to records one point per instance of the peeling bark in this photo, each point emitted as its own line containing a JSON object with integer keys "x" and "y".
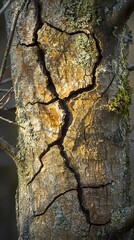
{"x": 70, "y": 78}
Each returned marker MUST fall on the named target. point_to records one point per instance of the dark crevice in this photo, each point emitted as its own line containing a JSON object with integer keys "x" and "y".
{"x": 68, "y": 118}
{"x": 109, "y": 85}
{"x": 27, "y": 6}
{"x": 100, "y": 97}
{"x": 97, "y": 186}
{"x": 61, "y": 2}
{"x": 65, "y": 127}
{"x": 54, "y": 27}
{"x": 50, "y": 204}
{"x": 27, "y": 45}
{"x": 40, "y": 158}
{"x": 74, "y": 94}
{"x": 77, "y": 177}
{"x": 41, "y": 58}
{"x": 101, "y": 224}
{"x": 98, "y": 60}
{"x": 59, "y": 142}
{"x": 39, "y": 22}
{"x": 51, "y": 87}
{"x": 42, "y": 103}
{"x": 92, "y": 86}
{"x": 68, "y": 33}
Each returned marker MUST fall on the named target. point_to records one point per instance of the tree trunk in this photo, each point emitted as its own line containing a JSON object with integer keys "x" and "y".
{"x": 69, "y": 68}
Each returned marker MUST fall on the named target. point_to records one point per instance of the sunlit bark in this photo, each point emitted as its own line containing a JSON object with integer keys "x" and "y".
{"x": 69, "y": 68}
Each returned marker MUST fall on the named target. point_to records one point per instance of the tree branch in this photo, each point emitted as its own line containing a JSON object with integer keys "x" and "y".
{"x": 5, "y": 6}
{"x": 131, "y": 67}
{"x": 9, "y": 149}
{"x": 121, "y": 15}
{"x": 11, "y": 122}
{"x": 3, "y": 65}
{"x": 8, "y": 46}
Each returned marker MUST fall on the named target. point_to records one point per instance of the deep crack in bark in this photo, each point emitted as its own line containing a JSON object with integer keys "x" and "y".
{"x": 59, "y": 142}
{"x": 93, "y": 108}
{"x": 42, "y": 103}
{"x": 67, "y": 120}
{"x": 70, "y": 190}
{"x": 94, "y": 186}
{"x": 54, "y": 199}
{"x": 90, "y": 87}
{"x": 40, "y": 158}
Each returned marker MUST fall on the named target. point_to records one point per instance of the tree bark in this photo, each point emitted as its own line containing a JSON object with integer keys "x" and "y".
{"x": 69, "y": 68}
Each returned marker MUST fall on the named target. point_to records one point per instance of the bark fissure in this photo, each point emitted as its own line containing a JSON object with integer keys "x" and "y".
{"x": 69, "y": 33}
{"x": 59, "y": 142}
{"x": 37, "y": 214}
{"x": 79, "y": 188}
{"x": 54, "y": 199}
{"x": 67, "y": 121}
{"x": 28, "y": 3}
{"x": 41, "y": 56}
{"x": 94, "y": 104}
{"x": 101, "y": 224}
{"x": 96, "y": 65}
{"x": 98, "y": 185}
{"x": 109, "y": 85}
{"x": 67, "y": 79}
{"x": 40, "y": 158}
{"x": 27, "y": 45}
{"x": 42, "y": 103}
{"x": 90, "y": 87}
{"x": 67, "y": 118}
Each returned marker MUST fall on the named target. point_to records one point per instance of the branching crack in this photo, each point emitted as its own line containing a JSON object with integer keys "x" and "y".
{"x": 40, "y": 158}
{"x": 54, "y": 199}
{"x": 68, "y": 118}
{"x": 77, "y": 177}
{"x": 91, "y": 86}
{"x": 42, "y": 103}
{"x": 64, "y": 31}
{"x": 70, "y": 190}
{"x": 97, "y": 186}
{"x": 94, "y": 104}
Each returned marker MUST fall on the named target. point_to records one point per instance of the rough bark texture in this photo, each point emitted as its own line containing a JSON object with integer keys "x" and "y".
{"x": 70, "y": 81}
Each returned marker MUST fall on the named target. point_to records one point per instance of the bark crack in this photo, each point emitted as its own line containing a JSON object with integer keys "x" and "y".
{"x": 40, "y": 158}
{"x": 79, "y": 188}
{"x": 37, "y": 214}
{"x": 41, "y": 56}
{"x": 42, "y": 103}
{"x": 101, "y": 224}
{"x": 68, "y": 117}
{"x": 90, "y": 87}
{"x": 95, "y": 102}
{"x": 59, "y": 142}
{"x": 85, "y": 31}
{"x": 54, "y": 199}
{"x": 94, "y": 186}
